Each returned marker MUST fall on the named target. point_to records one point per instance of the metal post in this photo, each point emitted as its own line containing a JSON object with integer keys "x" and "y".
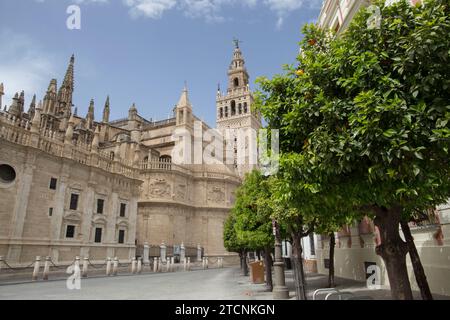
{"x": 280, "y": 290}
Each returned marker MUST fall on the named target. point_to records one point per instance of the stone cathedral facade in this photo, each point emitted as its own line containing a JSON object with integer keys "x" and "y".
{"x": 79, "y": 186}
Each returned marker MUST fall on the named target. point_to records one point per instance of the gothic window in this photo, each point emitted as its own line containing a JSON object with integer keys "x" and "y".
{"x": 74, "y": 201}
{"x": 53, "y": 182}
{"x": 245, "y": 107}
{"x": 233, "y": 108}
{"x": 226, "y": 112}
{"x": 121, "y": 236}
{"x": 100, "y": 205}
{"x": 70, "y": 231}
{"x": 221, "y": 113}
{"x": 236, "y": 82}
{"x": 240, "y": 108}
{"x": 98, "y": 235}
{"x": 123, "y": 209}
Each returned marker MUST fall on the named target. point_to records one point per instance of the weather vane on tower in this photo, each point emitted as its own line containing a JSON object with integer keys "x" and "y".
{"x": 236, "y": 42}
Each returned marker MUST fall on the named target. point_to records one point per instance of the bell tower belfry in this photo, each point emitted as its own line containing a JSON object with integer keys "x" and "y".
{"x": 234, "y": 109}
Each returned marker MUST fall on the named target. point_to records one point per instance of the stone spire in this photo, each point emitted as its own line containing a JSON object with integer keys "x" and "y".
{"x": 106, "y": 111}
{"x": 184, "y": 109}
{"x": 50, "y": 98}
{"x": 32, "y": 107}
{"x": 90, "y": 115}
{"x": 65, "y": 92}
{"x": 14, "y": 109}
{"x": 132, "y": 112}
{"x": 36, "y": 119}
{"x": 2, "y": 93}
{"x": 184, "y": 99}
{"x": 21, "y": 102}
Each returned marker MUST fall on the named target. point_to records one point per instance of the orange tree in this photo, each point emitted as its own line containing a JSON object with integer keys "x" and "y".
{"x": 364, "y": 119}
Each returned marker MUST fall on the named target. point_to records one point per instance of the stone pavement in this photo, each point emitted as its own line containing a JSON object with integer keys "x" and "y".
{"x": 211, "y": 284}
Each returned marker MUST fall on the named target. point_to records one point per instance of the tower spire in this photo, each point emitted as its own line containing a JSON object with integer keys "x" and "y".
{"x": 66, "y": 90}
{"x": 106, "y": 111}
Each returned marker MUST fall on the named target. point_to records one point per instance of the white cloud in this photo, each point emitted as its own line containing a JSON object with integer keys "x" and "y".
{"x": 149, "y": 8}
{"x": 23, "y": 66}
{"x": 210, "y": 10}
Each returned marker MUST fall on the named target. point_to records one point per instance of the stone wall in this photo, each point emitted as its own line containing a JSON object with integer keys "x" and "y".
{"x": 353, "y": 257}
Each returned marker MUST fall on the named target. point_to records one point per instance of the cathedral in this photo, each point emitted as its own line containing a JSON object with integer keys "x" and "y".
{"x": 79, "y": 186}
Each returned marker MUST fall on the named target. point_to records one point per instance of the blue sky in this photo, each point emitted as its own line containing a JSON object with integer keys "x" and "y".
{"x": 143, "y": 51}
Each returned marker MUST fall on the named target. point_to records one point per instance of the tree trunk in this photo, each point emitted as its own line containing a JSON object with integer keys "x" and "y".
{"x": 298, "y": 267}
{"x": 331, "y": 283}
{"x": 393, "y": 251}
{"x": 268, "y": 265}
{"x": 419, "y": 272}
{"x": 244, "y": 262}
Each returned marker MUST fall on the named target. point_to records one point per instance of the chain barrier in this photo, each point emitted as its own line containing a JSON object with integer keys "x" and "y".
{"x": 18, "y": 268}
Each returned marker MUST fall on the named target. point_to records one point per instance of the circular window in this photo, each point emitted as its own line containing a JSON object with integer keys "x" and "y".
{"x": 7, "y": 173}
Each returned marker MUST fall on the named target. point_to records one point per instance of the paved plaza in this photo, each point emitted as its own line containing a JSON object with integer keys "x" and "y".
{"x": 212, "y": 284}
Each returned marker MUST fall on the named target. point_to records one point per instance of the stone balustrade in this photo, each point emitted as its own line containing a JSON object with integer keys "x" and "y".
{"x": 19, "y": 131}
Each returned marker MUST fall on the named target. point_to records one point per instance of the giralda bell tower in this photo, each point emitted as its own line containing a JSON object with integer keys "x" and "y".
{"x": 234, "y": 111}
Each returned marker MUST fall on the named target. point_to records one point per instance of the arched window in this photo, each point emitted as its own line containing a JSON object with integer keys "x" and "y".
{"x": 240, "y": 108}
{"x": 233, "y": 108}
{"x": 236, "y": 82}
{"x": 226, "y": 112}
{"x": 165, "y": 162}
{"x": 111, "y": 155}
{"x": 165, "y": 158}
{"x": 221, "y": 113}
{"x": 245, "y": 107}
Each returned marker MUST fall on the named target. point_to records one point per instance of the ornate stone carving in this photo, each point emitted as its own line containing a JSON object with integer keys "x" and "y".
{"x": 216, "y": 194}
{"x": 181, "y": 192}
{"x": 160, "y": 188}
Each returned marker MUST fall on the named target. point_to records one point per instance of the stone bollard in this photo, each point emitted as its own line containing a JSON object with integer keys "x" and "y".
{"x": 139, "y": 265}
{"x": 108, "y": 266}
{"x": 46, "y": 268}
{"x": 185, "y": 264}
{"x": 155, "y": 264}
{"x": 203, "y": 263}
{"x": 160, "y": 265}
{"x": 172, "y": 264}
{"x": 133, "y": 265}
{"x": 163, "y": 251}
{"x": 189, "y": 263}
{"x": 77, "y": 263}
{"x": 85, "y": 267}
{"x": 1, "y": 262}
{"x": 146, "y": 253}
{"x": 115, "y": 266}
{"x": 206, "y": 262}
{"x": 168, "y": 265}
{"x": 199, "y": 252}
{"x": 37, "y": 264}
{"x": 218, "y": 262}
{"x": 182, "y": 252}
